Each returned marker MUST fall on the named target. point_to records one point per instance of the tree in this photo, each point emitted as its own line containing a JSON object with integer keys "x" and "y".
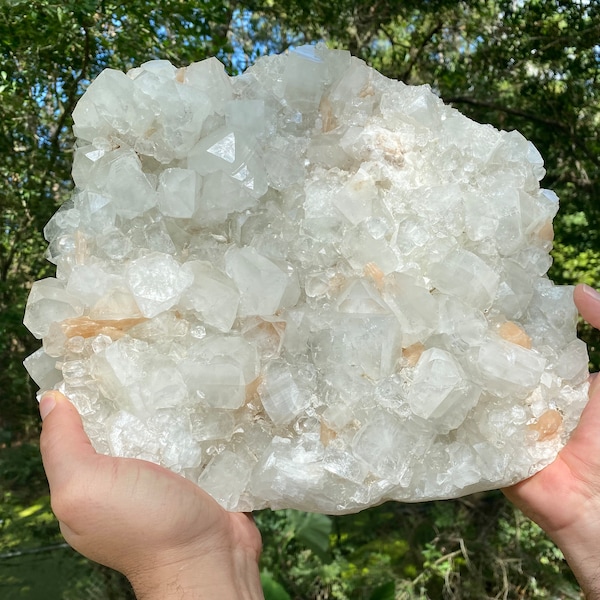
{"x": 50, "y": 52}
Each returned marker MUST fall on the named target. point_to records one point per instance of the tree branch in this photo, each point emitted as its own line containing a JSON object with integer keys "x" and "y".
{"x": 72, "y": 94}
{"x": 506, "y": 109}
{"x": 55, "y": 150}
{"x": 416, "y": 52}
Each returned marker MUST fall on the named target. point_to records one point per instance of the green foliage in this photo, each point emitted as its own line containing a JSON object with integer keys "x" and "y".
{"x": 476, "y": 547}
{"x": 310, "y": 529}
{"x": 50, "y": 51}
{"x": 387, "y": 591}
{"x": 271, "y": 588}
{"x": 35, "y": 563}
{"x": 21, "y": 470}
{"x": 26, "y": 525}
{"x": 296, "y": 547}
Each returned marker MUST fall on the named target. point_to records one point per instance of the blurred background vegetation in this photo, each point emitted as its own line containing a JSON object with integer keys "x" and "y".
{"x": 531, "y": 65}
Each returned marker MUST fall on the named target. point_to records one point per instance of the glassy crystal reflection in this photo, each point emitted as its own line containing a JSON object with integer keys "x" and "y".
{"x": 308, "y": 286}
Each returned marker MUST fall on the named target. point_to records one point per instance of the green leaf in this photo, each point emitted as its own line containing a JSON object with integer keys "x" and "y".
{"x": 387, "y": 591}
{"x": 312, "y": 530}
{"x": 31, "y": 510}
{"x": 271, "y": 588}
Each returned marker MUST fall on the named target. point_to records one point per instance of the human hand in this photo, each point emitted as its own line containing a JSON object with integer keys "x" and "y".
{"x": 166, "y": 535}
{"x": 564, "y": 498}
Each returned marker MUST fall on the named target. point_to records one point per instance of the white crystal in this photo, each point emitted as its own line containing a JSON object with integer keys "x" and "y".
{"x": 355, "y": 199}
{"x": 261, "y": 283}
{"x": 177, "y": 191}
{"x": 307, "y": 287}
{"x": 212, "y": 425}
{"x": 440, "y": 391}
{"x": 42, "y": 369}
{"x": 48, "y": 303}
{"x": 218, "y": 370}
{"x": 388, "y": 446}
{"x": 156, "y": 282}
{"x": 467, "y": 276}
{"x": 508, "y": 368}
{"x": 281, "y": 396}
{"x": 90, "y": 283}
{"x": 212, "y": 295}
{"x": 227, "y": 491}
{"x": 129, "y": 188}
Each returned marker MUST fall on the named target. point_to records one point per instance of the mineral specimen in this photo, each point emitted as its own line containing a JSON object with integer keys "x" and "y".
{"x": 307, "y": 286}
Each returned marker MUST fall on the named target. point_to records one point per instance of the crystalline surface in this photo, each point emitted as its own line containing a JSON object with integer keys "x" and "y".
{"x": 308, "y": 286}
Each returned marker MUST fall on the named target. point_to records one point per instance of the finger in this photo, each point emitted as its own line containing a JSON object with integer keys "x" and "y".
{"x": 585, "y": 437}
{"x": 587, "y": 300}
{"x": 63, "y": 442}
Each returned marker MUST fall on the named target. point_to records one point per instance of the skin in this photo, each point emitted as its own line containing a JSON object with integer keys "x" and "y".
{"x": 168, "y": 537}
{"x": 564, "y": 498}
{"x": 173, "y": 541}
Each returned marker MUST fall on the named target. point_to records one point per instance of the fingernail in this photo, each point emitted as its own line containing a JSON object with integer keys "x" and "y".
{"x": 590, "y": 291}
{"x": 47, "y": 403}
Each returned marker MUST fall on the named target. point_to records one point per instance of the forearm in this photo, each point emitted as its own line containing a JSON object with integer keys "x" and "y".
{"x": 574, "y": 526}
{"x": 226, "y": 578}
{"x": 583, "y": 556}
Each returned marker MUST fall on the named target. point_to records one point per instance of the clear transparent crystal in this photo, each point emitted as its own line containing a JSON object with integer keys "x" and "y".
{"x": 306, "y": 287}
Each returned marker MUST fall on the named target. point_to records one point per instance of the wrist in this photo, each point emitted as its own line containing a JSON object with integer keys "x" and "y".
{"x": 580, "y": 545}
{"x": 230, "y": 575}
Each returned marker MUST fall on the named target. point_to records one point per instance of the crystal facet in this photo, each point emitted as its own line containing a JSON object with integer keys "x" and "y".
{"x": 308, "y": 286}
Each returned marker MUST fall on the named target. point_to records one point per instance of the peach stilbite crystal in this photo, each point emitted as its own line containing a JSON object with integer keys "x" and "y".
{"x": 307, "y": 286}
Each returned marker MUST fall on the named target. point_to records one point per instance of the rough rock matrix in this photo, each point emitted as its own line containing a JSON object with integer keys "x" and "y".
{"x": 307, "y": 286}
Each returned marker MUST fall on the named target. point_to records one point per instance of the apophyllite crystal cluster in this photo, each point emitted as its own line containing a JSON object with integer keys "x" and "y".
{"x": 307, "y": 286}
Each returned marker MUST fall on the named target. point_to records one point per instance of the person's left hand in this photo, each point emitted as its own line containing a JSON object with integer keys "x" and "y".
{"x": 164, "y": 533}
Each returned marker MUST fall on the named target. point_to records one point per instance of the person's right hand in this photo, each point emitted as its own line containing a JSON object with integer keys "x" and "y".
{"x": 564, "y": 498}
{"x": 166, "y": 535}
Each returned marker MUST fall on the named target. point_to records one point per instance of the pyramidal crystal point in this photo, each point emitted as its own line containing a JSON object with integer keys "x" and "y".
{"x": 308, "y": 286}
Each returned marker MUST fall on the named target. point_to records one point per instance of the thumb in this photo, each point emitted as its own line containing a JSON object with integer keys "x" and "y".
{"x": 587, "y": 300}
{"x": 63, "y": 442}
